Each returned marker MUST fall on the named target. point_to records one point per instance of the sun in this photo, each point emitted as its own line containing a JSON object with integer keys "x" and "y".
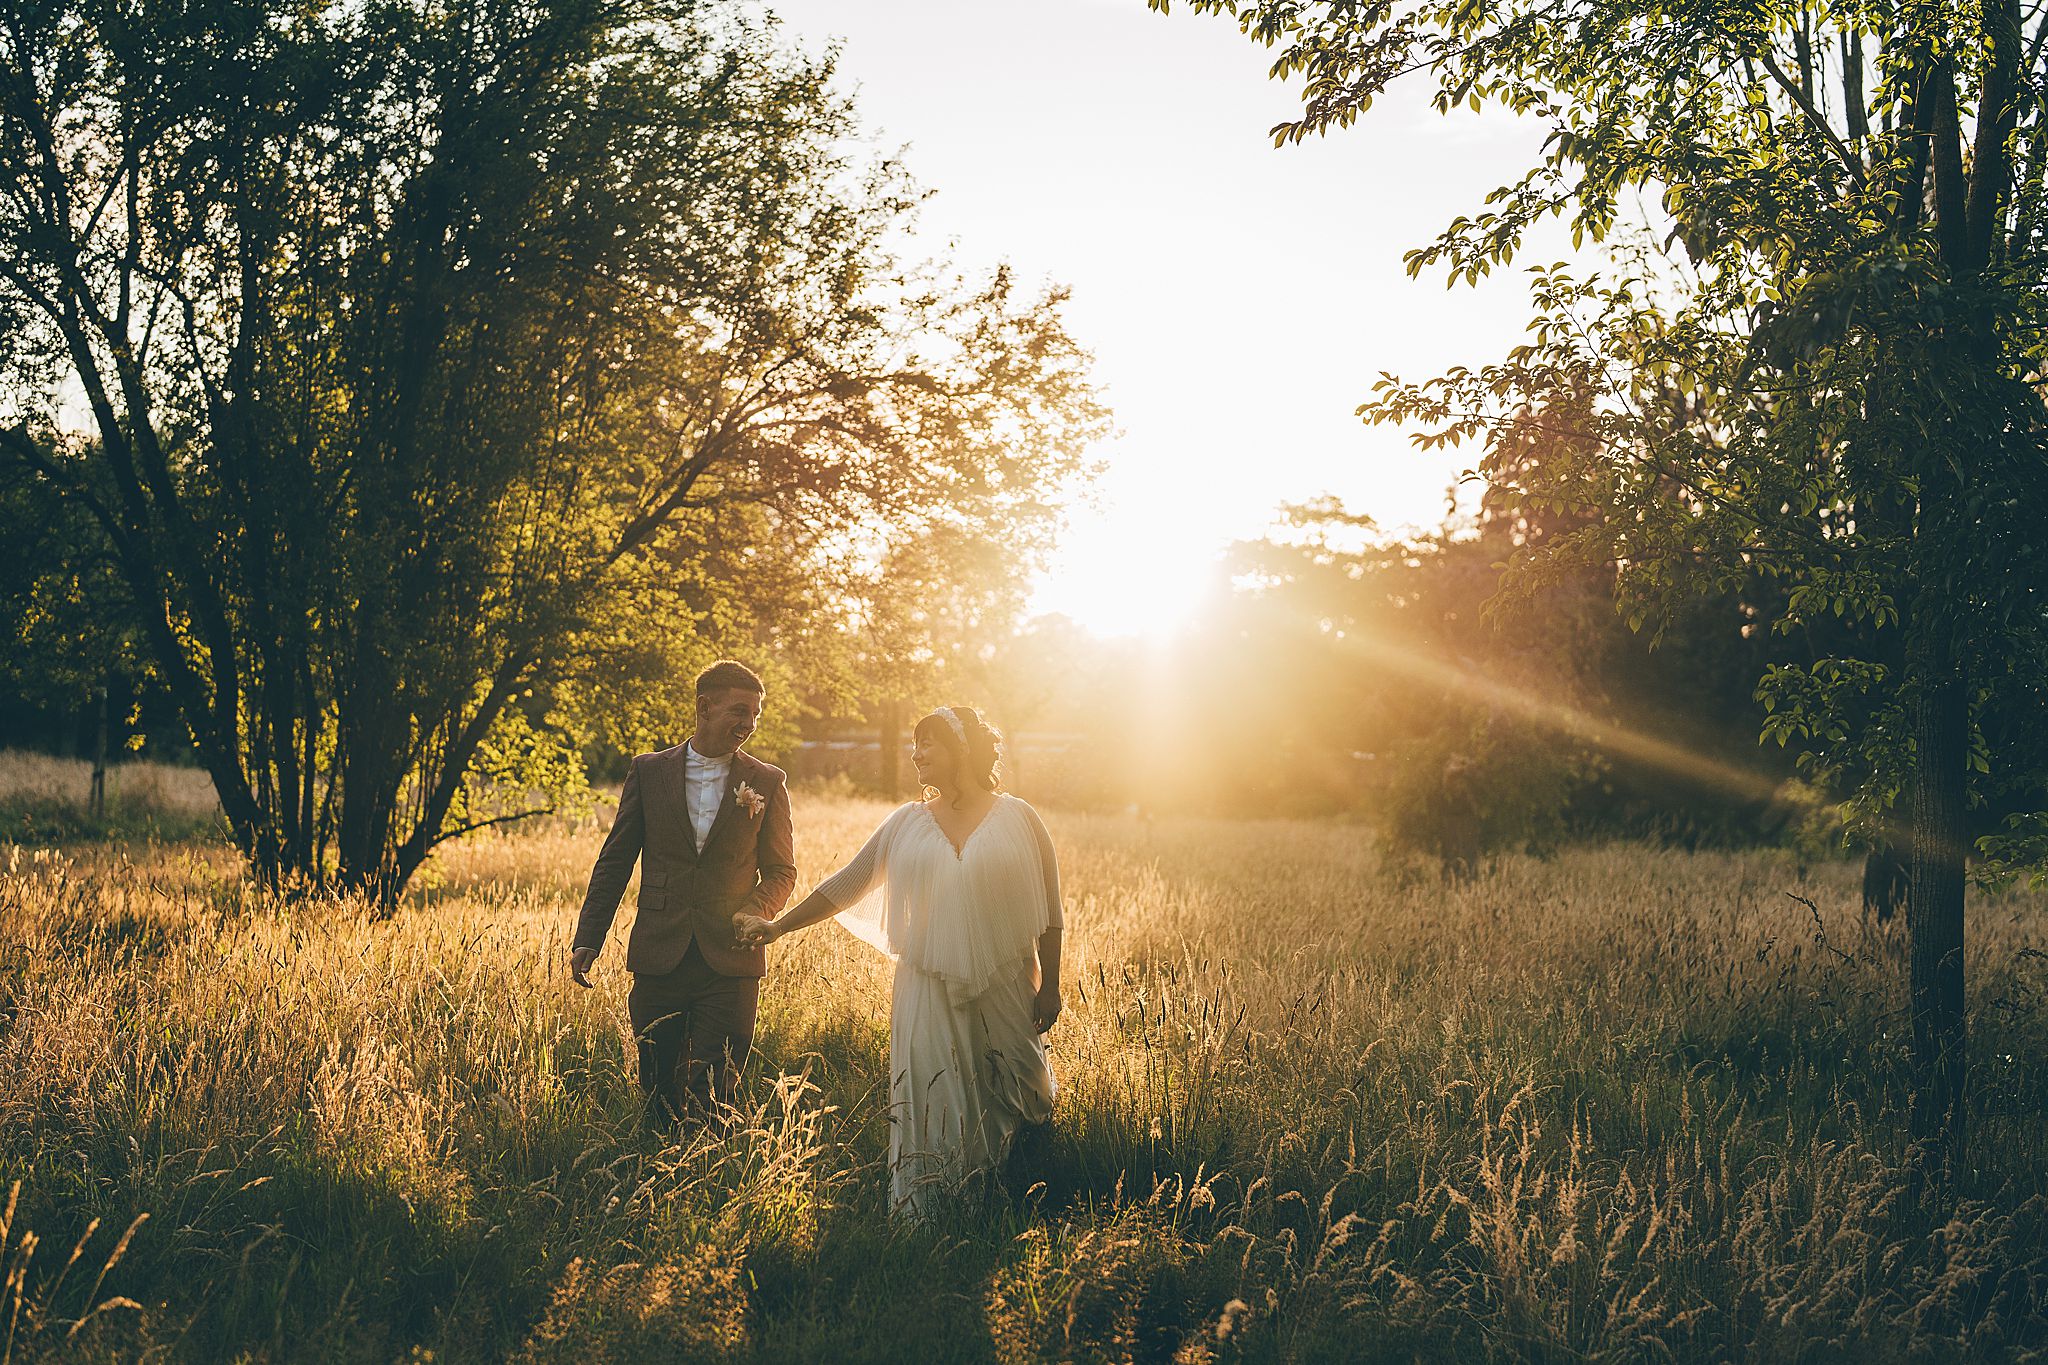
{"x": 1120, "y": 578}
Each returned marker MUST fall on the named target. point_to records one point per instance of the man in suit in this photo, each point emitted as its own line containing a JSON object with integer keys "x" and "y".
{"x": 710, "y": 827}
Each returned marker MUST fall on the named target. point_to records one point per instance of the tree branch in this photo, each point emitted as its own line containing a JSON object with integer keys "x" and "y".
{"x": 455, "y": 762}
{"x": 24, "y": 447}
{"x": 1855, "y": 108}
{"x": 1951, "y": 183}
{"x": 476, "y": 825}
{"x": 1817, "y": 120}
{"x": 1997, "y": 113}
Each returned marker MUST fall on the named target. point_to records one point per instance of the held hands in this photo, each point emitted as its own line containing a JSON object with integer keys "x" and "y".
{"x": 751, "y": 931}
{"x": 1045, "y": 1007}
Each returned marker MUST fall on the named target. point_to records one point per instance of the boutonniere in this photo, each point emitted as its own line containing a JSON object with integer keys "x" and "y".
{"x": 750, "y": 801}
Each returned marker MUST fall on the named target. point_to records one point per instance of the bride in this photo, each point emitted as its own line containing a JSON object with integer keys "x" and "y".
{"x": 962, "y": 890}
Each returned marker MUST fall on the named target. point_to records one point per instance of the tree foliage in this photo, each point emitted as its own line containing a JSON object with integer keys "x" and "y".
{"x": 436, "y": 356}
{"x": 1826, "y": 370}
{"x": 62, "y": 603}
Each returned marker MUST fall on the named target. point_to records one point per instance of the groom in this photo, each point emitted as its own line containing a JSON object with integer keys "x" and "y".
{"x": 710, "y": 826}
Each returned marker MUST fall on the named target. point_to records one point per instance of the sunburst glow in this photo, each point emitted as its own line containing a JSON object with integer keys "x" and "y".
{"x": 1129, "y": 575}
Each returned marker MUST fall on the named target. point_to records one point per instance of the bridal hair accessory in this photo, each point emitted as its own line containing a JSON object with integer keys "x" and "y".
{"x": 750, "y": 800}
{"x": 945, "y": 713}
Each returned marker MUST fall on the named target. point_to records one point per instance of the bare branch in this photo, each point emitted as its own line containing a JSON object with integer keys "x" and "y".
{"x": 476, "y": 825}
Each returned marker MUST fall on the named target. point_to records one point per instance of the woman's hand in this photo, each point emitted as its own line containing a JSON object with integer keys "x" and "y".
{"x": 1045, "y": 1007}
{"x": 751, "y": 931}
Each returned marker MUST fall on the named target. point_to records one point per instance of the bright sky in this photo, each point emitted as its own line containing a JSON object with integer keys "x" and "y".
{"x": 1240, "y": 300}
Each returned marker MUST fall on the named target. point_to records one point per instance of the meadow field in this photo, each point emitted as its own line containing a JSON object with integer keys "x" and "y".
{"x": 1620, "y": 1104}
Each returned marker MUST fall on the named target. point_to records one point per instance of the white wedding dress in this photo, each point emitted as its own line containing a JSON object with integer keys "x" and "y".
{"x": 966, "y": 1065}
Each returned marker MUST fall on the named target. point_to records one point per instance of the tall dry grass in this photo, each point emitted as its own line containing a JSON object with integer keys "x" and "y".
{"x": 43, "y": 798}
{"x": 1620, "y": 1105}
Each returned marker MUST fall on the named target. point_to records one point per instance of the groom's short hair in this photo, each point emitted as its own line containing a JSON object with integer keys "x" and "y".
{"x": 729, "y": 673}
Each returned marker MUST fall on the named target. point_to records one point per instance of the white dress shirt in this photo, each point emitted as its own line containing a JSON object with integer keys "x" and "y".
{"x": 705, "y": 780}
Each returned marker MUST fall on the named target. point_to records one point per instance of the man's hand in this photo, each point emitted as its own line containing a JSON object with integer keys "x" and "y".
{"x": 751, "y": 931}
{"x": 580, "y": 960}
{"x": 1045, "y": 1007}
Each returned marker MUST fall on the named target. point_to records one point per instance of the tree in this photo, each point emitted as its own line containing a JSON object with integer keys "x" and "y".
{"x": 62, "y": 604}
{"x": 418, "y": 339}
{"x": 1835, "y": 383}
{"x": 932, "y": 617}
{"x": 1500, "y": 713}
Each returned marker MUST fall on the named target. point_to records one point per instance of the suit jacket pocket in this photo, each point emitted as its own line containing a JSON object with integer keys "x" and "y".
{"x": 737, "y": 855}
{"x": 653, "y": 898}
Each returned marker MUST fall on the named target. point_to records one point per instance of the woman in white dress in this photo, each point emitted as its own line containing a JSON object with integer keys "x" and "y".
{"x": 962, "y": 890}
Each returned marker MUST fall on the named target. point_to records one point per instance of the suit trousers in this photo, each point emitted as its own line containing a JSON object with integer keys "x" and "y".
{"x": 694, "y": 1027}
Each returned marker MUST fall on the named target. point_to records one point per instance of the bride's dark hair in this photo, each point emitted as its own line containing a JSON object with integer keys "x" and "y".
{"x": 981, "y": 754}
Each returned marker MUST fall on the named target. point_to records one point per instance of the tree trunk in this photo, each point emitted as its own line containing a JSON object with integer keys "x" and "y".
{"x": 362, "y": 773}
{"x": 1934, "y": 898}
{"x": 1884, "y": 881}
{"x": 891, "y": 769}
{"x": 96, "y": 803}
